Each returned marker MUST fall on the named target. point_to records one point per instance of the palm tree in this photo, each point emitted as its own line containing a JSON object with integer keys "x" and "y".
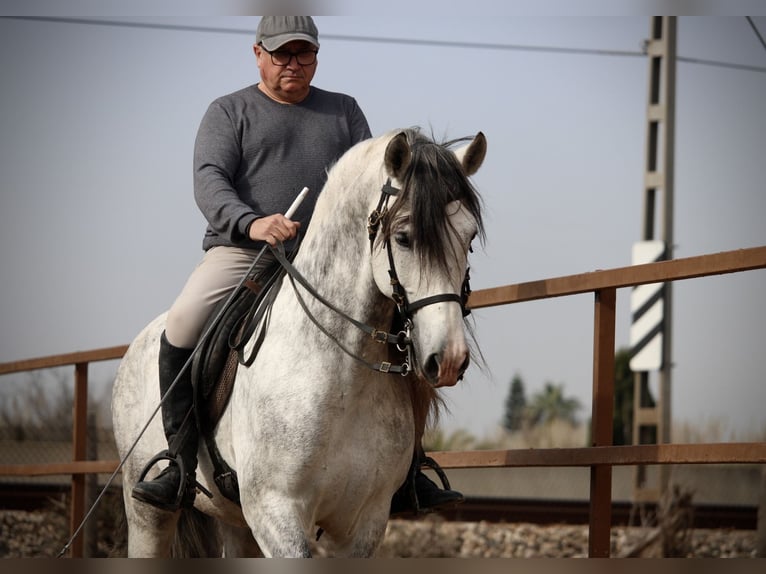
{"x": 550, "y": 404}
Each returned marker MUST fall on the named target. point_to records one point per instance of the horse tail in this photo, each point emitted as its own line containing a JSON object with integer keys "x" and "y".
{"x": 197, "y": 536}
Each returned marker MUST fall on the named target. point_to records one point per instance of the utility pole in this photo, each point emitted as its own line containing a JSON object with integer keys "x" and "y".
{"x": 651, "y": 305}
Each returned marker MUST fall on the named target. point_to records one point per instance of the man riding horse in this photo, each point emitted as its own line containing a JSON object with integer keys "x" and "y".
{"x": 254, "y": 149}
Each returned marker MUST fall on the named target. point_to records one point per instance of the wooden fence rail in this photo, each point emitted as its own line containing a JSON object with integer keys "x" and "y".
{"x": 600, "y": 457}
{"x": 79, "y": 467}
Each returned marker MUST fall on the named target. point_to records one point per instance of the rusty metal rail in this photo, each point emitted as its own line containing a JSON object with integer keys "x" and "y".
{"x": 600, "y": 457}
{"x": 79, "y": 467}
{"x": 698, "y": 453}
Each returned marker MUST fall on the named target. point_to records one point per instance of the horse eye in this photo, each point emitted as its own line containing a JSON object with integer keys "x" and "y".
{"x": 402, "y": 239}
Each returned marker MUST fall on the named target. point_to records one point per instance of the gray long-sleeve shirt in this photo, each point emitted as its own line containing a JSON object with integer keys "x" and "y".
{"x": 253, "y": 155}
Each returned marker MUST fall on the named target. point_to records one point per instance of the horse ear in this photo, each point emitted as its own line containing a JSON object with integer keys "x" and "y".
{"x": 398, "y": 155}
{"x": 472, "y": 156}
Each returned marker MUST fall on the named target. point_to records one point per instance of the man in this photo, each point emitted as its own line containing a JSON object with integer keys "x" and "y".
{"x": 255, "y": 149}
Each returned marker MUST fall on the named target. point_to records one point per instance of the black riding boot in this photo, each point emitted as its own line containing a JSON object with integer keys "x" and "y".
{"x": 419, "y": 494}
{"x": 166, "y": 490}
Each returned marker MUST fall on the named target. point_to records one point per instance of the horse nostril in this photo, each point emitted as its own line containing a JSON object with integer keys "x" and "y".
{"x": 464, "y": 366}
{"x": 431, "y": 368}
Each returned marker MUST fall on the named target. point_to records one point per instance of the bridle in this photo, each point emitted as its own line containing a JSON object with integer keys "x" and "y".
{"x": 405, "y": 309}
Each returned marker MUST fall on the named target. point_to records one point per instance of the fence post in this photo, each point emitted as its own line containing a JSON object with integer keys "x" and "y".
{"x": 760, "y": 540}
{"x": 601, "y": 422}
{"x": 79, "y": 447}
{"x": 90, "y": 531}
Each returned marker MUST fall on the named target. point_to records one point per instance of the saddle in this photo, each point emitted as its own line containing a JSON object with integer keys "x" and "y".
{"x": 215, "y": 361}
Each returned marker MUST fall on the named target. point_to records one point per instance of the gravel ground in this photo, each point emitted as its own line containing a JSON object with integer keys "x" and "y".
{"x": 44, "y": 534}
{"x": 436, "y": 538}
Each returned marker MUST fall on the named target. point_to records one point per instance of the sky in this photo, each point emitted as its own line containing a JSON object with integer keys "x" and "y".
{"x": 99, "y": 230}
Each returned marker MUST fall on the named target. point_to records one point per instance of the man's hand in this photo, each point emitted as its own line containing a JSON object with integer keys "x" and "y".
{"x": 273, "y": 229}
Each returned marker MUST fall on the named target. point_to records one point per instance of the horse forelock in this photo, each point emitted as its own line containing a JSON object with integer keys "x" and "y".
{"x": 433, "y": 180}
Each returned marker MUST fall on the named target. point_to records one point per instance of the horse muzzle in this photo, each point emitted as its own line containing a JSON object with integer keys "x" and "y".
{"x": 446, "y": 369}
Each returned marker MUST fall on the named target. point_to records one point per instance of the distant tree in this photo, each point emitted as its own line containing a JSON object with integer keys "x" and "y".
{"x": 515, "y": 405}
{"x": 550, "y": 404}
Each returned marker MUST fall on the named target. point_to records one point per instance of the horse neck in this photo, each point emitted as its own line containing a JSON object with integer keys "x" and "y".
{"x": 334, "y": 256}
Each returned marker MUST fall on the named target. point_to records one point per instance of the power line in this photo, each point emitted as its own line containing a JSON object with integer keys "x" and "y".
{"x": 484, "y": 45}
{"x": 390, "y": 40}
{"x": 126, "y": 24}
{"x": 756, "y": 31}
{"x": 721, "y": 64}
{"x": 341, "y": 37}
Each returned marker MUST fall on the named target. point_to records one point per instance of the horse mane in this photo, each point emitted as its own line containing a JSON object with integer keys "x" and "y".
{"x": 433, "y": 179}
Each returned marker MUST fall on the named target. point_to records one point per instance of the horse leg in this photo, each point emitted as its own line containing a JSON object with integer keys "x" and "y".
{"x": 282, "y": 538}
{"x": 276, "y": 527}
{"x": 366, "y": 539}
{"x": 150, "y": 531}
{"x": 238, "y": 542}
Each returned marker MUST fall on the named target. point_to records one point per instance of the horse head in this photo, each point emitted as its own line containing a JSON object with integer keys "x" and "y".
{"x": 420, "y": 257}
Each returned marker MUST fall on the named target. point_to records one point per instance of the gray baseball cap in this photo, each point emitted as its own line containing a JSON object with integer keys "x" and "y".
{"x": 275, "y": 31}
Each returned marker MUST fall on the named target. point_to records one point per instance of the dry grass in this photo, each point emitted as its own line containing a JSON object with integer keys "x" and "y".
{"x": 562, "y": 434}
{"x": 715, "y": 430}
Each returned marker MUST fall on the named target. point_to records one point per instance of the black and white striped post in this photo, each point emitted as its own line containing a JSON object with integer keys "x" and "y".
{"x": 647, "y": 310}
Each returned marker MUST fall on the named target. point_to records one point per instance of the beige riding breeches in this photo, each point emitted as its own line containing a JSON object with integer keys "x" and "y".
{"x": 212, "y": 280}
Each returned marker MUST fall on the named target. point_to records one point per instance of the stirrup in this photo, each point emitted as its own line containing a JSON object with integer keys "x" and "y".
{"x": 406, "y": 499}
{"x": 417, "y": 466}
{"x": 182, "y": 484}
{"x": 433, "y": 465}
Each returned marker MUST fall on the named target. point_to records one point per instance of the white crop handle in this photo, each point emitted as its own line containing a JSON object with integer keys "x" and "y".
{"x": 294, "y": 207}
